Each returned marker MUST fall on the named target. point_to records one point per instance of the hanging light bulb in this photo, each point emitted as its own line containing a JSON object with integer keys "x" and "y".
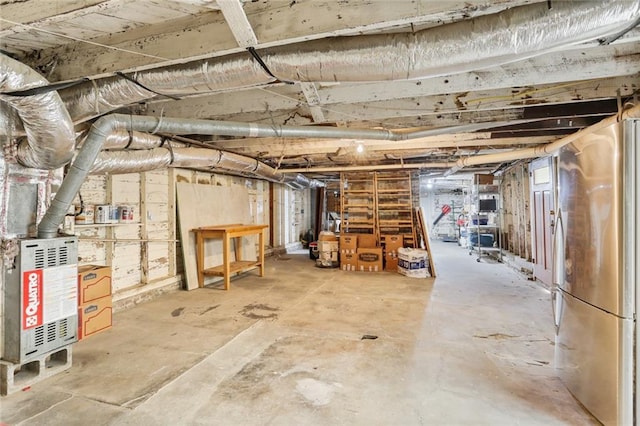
{"x": 430, "y": 184}
{"x": 360, "y": 148}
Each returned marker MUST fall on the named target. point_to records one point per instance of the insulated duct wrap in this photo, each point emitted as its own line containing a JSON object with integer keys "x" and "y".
{"x": 87, "y": 101}
{"x": 47, "y": 124}
{"x": 491, "y": 40}
{"x": 464, "y": 46}
{"x": 124, "y": 139}
{"x": 120, "y": 162}
{"x": 301, "y": 181}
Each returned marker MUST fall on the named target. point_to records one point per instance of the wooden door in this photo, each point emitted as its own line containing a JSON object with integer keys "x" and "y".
{"x": 543, "y": 217}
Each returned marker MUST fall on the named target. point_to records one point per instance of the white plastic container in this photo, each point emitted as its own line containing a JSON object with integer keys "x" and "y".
{"x": 103, "y": 213}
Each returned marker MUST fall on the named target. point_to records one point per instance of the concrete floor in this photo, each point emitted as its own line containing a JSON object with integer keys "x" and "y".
{"x": 474, "y": 346}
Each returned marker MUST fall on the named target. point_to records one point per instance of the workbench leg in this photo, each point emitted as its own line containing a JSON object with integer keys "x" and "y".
{"x": 200, "y": 258}
{"x": 237, "y": 247}
{"x": 261, "y": 252}
{"x": 226, "y": 261}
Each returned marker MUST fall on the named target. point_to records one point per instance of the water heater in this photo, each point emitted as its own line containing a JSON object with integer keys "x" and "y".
{"x": 41, "y": 299}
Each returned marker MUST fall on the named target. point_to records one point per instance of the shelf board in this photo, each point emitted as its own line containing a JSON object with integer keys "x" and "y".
{"x": 394, "y": 191}
{"x": 236, "y": 266}
{"x": 102, "y": 225}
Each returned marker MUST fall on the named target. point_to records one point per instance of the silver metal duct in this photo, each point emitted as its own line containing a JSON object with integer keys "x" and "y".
{"x": 464, "y": 46}
{"x": 50, "y": 136}
{"x": 118, "y": 162}
{"x": 124, "y": 139}
{"x": 155, "y": 158}
{"x": 151, "y": 152}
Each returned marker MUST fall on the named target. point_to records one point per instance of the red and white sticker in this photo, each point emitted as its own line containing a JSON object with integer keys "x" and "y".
{"x": 32, "y": 299}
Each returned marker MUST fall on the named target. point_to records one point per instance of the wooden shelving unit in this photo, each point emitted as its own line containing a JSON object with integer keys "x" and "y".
{"x": 378, "y": 203}
{"x": 395, "y": 209}
{"x": 358, "y": 203}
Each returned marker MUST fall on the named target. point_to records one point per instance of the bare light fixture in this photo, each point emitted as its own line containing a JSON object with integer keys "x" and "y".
{"x": 360, "y": 148}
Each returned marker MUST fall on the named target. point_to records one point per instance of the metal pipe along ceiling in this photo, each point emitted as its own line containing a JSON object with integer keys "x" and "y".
{"x": 115, "y": 124}
{"x": 491, "y": 40}
{"x": 478, "y": 160}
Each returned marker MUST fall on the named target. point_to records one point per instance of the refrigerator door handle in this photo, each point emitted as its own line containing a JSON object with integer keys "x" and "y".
{"x": 556, "y": 266}
{"x": 556, "y": 308}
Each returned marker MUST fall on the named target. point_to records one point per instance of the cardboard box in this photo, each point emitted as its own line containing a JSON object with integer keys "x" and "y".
{"x": 94, "y": 282}
{"x": 367, "y": 241}
{"x": 391, "y": 263}
{"x": 413, "y": 262}
{"x": 348, "y": 243}
{"x": 483, "y": 179}
{"x": 95, "y": 317}
{"x": 392, "y": 243}
{"x": 348, "y": 261}
{"x": 327, "y": 236}
{"x": 370, "y": 259}
{"x": 328, "y": 251}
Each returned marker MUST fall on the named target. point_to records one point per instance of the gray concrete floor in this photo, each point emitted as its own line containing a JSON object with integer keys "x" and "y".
{"x": 474, "y": 346}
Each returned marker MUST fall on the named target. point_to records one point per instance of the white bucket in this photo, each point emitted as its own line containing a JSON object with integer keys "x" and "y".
{"x": 103, "y": 213}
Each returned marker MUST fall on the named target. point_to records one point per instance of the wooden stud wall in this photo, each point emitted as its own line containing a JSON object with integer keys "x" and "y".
{"x": 146, "y": 255}
{"x": 516, "y": 212}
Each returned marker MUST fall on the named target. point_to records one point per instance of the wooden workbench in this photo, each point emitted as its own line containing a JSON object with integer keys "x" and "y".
{"x": 228, "y": 233}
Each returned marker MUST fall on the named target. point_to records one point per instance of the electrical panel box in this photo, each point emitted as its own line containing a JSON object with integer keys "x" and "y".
{"x": 41, "y": 299}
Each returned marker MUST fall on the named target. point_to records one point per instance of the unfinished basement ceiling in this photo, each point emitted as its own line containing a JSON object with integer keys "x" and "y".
{"x": 483, "y": 105}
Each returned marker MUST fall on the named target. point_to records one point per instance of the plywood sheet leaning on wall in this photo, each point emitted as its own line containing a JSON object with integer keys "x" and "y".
{"x": 423, "y": 231}
{"x": 205, "y": 205}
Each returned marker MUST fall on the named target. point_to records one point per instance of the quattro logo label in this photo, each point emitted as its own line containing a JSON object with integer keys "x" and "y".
{"x": 32, "y": 297}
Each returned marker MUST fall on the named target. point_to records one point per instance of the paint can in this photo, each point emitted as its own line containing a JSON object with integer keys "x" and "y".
{"x": 126, "y": 214}
{"x": 103, "y": 213}
{"x": 86, "y": 216}
{"x": 115, "y": 214}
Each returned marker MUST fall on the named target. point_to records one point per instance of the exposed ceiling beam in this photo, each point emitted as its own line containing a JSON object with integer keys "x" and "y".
{"x": 553, "y": 68}
{"x": 42, "y": 11}
{"x": 304, "y": 20}
{"x": 313, "y": 101}
{"x": 238, "y": 22}
{"x": 323, "y": 146}
{"x": 505, "y": 87}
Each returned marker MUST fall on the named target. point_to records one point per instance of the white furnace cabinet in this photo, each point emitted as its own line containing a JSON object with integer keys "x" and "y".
{"x": 41, "y": 299}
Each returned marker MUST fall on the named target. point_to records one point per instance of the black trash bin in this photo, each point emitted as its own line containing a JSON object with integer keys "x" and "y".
{"x": 313, "y": 250}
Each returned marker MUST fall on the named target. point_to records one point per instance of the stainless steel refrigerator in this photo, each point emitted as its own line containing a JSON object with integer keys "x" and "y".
{"x": 595, "y": 261}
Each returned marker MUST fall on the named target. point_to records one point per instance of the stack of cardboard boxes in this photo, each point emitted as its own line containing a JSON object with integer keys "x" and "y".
{"x": 358, "y": 252}
{"x": 94, "y": 300}
{"x": 348, "y": 252}
{"x": 327, "y": 249}
{"x": 391, "y": 245}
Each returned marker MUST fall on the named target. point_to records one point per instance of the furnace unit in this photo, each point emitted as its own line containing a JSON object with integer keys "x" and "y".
{"x": 41, "y": 299}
